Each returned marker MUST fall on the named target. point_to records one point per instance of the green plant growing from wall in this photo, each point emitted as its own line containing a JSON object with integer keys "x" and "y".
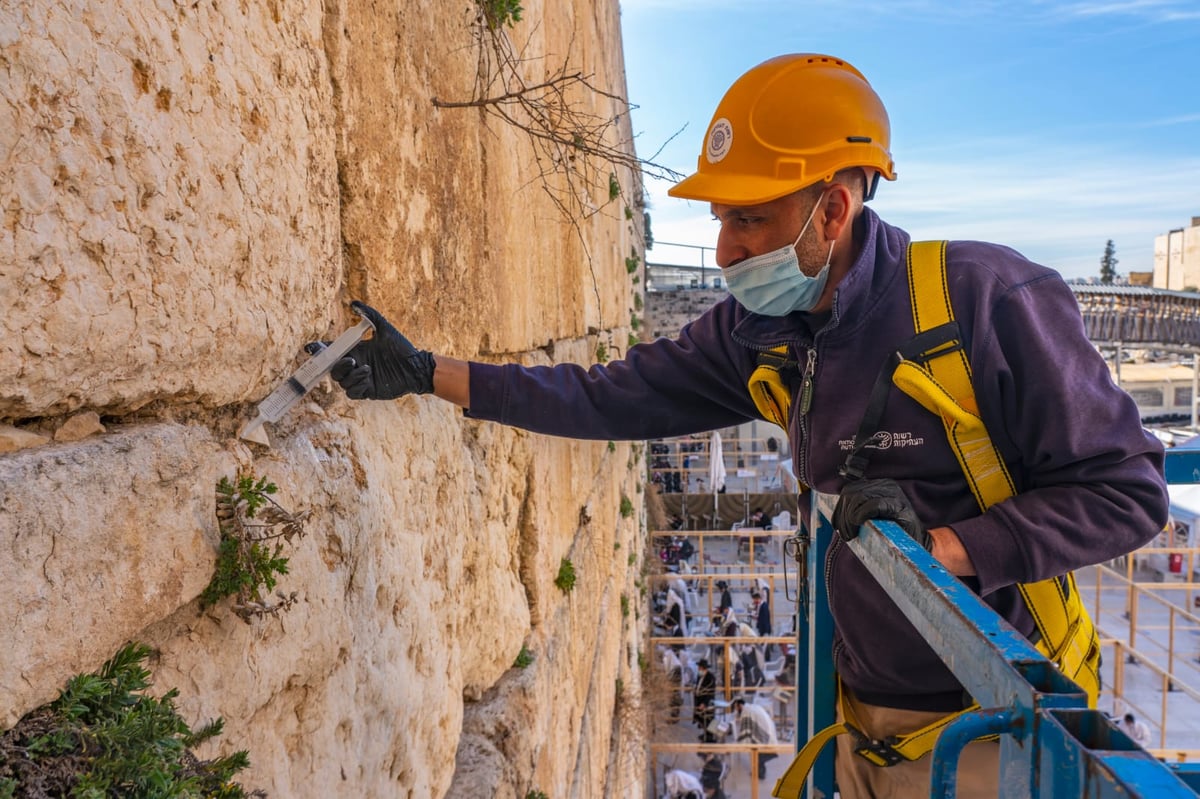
{"x": 565, "y": 579}
{"x": 524, "y": 659}
{"x": 498, "y": 13}
{"x": 254, "y": 528}
{"x": 626, "y": 507}
{"x": 624, "y": 605}
{"x": 103, "y": 737}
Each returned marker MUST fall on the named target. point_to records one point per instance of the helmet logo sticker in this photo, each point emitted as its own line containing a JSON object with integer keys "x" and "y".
{"x": 720, "y": 139}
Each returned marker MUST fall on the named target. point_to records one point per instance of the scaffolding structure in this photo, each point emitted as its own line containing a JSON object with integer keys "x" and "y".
{"x": 742, "y": 559}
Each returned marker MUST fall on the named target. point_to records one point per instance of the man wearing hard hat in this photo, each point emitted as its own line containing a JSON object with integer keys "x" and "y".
{"x": 1003, "y": 447}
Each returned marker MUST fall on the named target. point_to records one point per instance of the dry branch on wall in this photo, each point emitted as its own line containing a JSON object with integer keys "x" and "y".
{"x": 580, "y": 152}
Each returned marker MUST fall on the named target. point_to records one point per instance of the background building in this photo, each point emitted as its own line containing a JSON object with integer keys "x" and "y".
{"x": 1177, "y": 258}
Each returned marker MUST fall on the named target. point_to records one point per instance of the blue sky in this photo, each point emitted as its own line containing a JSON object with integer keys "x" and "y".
{"x": 1051, "y": 127}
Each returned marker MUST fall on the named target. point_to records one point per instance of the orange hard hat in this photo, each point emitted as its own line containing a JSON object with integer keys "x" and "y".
{"x": 786, "y": 124}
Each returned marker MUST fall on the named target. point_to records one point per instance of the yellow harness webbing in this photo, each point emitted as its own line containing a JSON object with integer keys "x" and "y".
{"x": 768, "y": 389}
{"x": 942, "y": 385}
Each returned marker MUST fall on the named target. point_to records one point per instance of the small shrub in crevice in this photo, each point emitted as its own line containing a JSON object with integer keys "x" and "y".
{"x": 626, "y": 507}
{"x": 524, "y": 659}
{"x": 103, "y": 737}
{"x": 565, "y": 580}
{"x": 254, "y": 528}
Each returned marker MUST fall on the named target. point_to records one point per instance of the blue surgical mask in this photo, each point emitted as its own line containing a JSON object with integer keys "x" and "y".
{"x": 772, "y": 284}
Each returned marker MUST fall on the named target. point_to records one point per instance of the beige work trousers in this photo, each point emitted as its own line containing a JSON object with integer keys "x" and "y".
{"x": 858, "y": 778}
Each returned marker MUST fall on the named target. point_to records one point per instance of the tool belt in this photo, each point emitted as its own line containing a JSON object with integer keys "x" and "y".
{"x": 933, "y": 369}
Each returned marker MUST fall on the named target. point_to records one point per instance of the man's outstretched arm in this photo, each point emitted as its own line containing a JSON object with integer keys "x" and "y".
{"x": 452, "y": 381}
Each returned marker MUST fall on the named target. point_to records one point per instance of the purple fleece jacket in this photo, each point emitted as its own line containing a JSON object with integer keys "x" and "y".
{"x": 1089, "y": 479}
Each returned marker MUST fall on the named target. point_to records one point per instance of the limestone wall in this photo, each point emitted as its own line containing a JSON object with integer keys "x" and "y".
{"x": 191, "y": 191}
{"x": 668, "y": 311}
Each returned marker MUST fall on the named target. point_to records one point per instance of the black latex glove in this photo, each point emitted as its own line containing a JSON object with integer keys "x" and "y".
{"x": 864, "y": 500}
{"x": 385, "y": 366}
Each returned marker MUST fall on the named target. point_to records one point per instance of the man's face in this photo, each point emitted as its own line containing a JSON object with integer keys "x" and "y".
{"x": 749, "y": 230}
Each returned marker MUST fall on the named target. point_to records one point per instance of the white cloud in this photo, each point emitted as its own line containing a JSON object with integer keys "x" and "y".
{"x": 1147, "y": 10}
{"x": 1182, "y": 119}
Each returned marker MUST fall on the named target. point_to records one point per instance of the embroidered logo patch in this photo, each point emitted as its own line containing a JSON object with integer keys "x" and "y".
{"x": 885, "y": 440}
{"x": 720, "y": 139}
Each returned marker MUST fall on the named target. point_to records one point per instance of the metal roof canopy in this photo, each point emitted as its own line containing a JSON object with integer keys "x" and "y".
{"x": 1159, "y": 318}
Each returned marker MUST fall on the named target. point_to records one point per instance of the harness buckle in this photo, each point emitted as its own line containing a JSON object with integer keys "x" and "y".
{"x": 877, "y": 752}
{"x": 779, "y": 361}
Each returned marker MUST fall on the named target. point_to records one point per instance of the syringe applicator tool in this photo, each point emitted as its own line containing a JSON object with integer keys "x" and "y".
{"x": 302, "y": 380}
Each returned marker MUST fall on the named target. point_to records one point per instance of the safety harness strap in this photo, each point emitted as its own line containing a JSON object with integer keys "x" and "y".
{"x": 792, "y": 782}
{"x": 944, "y": 385}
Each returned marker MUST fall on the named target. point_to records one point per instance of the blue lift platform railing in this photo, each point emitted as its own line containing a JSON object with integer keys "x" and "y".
{"x": 1051, "y": 745}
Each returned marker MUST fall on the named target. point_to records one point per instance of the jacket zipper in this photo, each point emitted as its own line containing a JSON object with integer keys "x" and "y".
{"x": 806, "y": 396}
{"x": 807, "y": 387}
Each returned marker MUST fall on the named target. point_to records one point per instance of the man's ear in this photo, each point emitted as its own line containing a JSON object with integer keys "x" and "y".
{"x": 838, "y": 212}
